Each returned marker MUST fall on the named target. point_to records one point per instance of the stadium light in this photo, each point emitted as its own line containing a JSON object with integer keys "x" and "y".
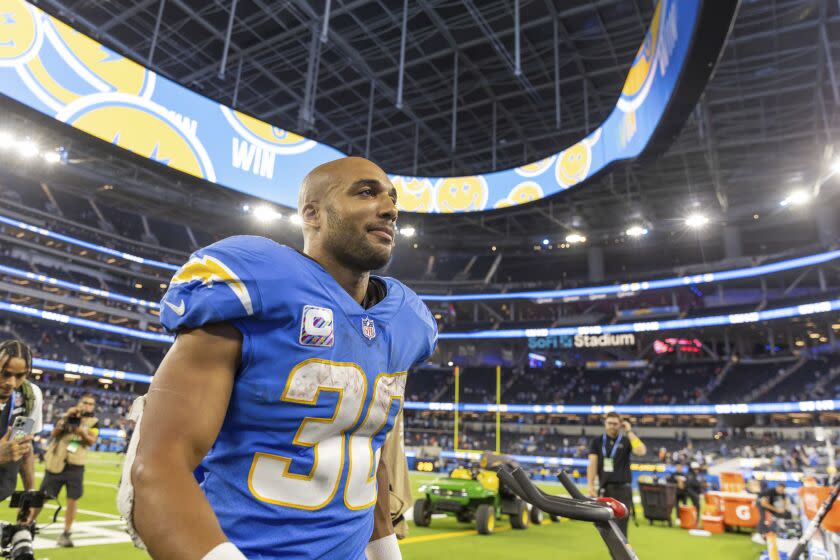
{"x": 575, "y": 238}
{"x": 696, "y": 220}
{"x": 246, "y": 207}
{"x": 27, "y": 148}
{"x": 266, "y": 213}
{"x": 296, "y": 219}
{"x": 545, "y": 242}
{"x": 836, "y": 166}
{"x": 796, "y": 198}
{"x": 52, "y": 157}
{"x": 6, "y": 139}
{"x": 636, "y": 231}
{"x": 407, "y": 231}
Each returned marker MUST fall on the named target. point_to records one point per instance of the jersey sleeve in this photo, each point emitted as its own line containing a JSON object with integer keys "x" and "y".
{"x": 428, "y": 327}
{"x": 216, "y": 284}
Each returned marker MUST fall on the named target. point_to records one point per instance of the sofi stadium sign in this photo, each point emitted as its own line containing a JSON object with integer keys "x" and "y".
{"x": 581, "y": 341}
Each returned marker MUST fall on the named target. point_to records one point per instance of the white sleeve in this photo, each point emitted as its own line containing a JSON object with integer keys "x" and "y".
{"x": 37, "y": 413}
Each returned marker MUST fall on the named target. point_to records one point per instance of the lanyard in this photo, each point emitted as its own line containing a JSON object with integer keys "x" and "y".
{"x": 6, "y": 416}
{"x": 614, "y": 448}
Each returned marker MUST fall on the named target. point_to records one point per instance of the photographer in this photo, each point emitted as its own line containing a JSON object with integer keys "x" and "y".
{"x": 65, "y": 458}
{"x": 18, "y": 398}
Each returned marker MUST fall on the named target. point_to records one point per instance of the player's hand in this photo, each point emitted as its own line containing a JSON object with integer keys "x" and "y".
{"x": 11, "y": 450}
{"x": 26, "y": 447}
{"x": 625, "y": 424}
{"x": 592, "y": 492}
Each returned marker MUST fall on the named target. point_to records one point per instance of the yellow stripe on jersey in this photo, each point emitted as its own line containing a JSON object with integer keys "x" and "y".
{"x": 208, "y": 270}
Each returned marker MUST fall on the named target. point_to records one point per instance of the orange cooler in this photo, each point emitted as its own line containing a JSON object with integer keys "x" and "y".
{"x": 740, "y": 511}
{"x": 812, "y": 498}
{"x": 732, "y": 482}
{"x": 713, "y": 503}
{"x": 688, "y": 517}
{"x": 713, "y": 524}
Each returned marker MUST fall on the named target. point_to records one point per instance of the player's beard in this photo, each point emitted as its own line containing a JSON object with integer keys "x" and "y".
{"x": 352, "y": 247}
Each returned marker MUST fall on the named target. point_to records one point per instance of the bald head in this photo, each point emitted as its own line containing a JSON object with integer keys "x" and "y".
{"x": 319, "y": 182}
{"x": 348, "y": 209}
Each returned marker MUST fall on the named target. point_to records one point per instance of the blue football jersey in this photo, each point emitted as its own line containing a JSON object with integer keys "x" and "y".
{"x": 292, "y": 473}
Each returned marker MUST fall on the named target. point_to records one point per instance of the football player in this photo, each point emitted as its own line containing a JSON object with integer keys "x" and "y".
{"x": 285, "y": 377}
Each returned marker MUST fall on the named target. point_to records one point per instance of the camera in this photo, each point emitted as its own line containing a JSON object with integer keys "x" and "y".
{"x": 16, "y": 538}
{"x": 75, "y": 420}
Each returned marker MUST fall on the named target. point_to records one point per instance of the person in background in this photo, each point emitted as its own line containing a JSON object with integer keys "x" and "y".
{"x": 18, "y": 398}
{"x": 66, "y": 456}
{"x": 608, "y": 473}
{"x": 772, "y": 500}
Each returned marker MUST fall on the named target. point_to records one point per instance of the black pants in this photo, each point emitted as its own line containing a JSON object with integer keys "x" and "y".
{"x": 685, "y": 495}
{"x": 624, "y": 494}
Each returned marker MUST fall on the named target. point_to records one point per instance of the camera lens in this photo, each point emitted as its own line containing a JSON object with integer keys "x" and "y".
{"x": 22, "y": 545}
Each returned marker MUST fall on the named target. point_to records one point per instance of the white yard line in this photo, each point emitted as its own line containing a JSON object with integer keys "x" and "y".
{"x": 87, "y": 483}
{"x": 85, "y": 533}
{"x": 88, "y": 512}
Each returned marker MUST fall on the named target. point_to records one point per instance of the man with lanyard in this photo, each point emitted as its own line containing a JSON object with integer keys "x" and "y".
{"x": 17, "y": 398}
{"x": 609, "y": 463}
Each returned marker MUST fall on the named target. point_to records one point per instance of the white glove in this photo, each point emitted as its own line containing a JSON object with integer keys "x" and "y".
{"x": 125, "y": 493}
{"x": 225, "y": 551}
{"x": 385, "y": 548}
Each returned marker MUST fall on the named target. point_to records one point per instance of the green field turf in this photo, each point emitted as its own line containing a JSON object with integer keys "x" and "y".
{"x": 98, "y": 534}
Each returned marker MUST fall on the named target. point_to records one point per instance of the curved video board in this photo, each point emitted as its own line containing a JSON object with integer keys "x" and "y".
{"x": 52, "y": 68}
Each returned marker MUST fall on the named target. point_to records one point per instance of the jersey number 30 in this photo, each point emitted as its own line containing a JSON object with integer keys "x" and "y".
{"x": 270, "y": 479}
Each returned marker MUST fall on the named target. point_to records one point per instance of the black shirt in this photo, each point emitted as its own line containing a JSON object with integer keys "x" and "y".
{"x": 376, "y": 292}
{"x": 775, "y": 499}
{"x": 691, "y": 482}
{"x": 621, "y": 459}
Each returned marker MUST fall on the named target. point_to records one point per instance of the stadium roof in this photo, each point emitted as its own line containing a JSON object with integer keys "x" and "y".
{"x": 764, "y": 126}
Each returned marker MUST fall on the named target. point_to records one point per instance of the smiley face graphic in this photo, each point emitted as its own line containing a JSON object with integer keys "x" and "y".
{"x": 20, "y": 33}
{"x": 535, "y": 168}
{"x": 461, "y": 194}
{"x": 527, "y": 191}
{"x": 574, "y": 162}
{"x": 414, "y": 194}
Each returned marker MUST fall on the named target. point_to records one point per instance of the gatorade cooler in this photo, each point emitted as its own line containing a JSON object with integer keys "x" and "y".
{"x": 713, "y": 503}
{"x": 688, "y": 517}
{"x": 713, "y": 524}
{"x": 740, "y": 511}
{"x": 812, "y": 498}
{"x": 732, "y": 482}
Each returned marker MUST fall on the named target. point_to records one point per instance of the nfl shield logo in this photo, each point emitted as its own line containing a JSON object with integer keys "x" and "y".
{"x": 368, "y": 329}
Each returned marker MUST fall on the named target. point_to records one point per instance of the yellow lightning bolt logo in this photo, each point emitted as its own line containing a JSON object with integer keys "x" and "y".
{"x": 208, "y": 270}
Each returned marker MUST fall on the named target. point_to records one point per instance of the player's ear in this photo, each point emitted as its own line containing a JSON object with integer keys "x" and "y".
{"x": 311, "y": 215}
